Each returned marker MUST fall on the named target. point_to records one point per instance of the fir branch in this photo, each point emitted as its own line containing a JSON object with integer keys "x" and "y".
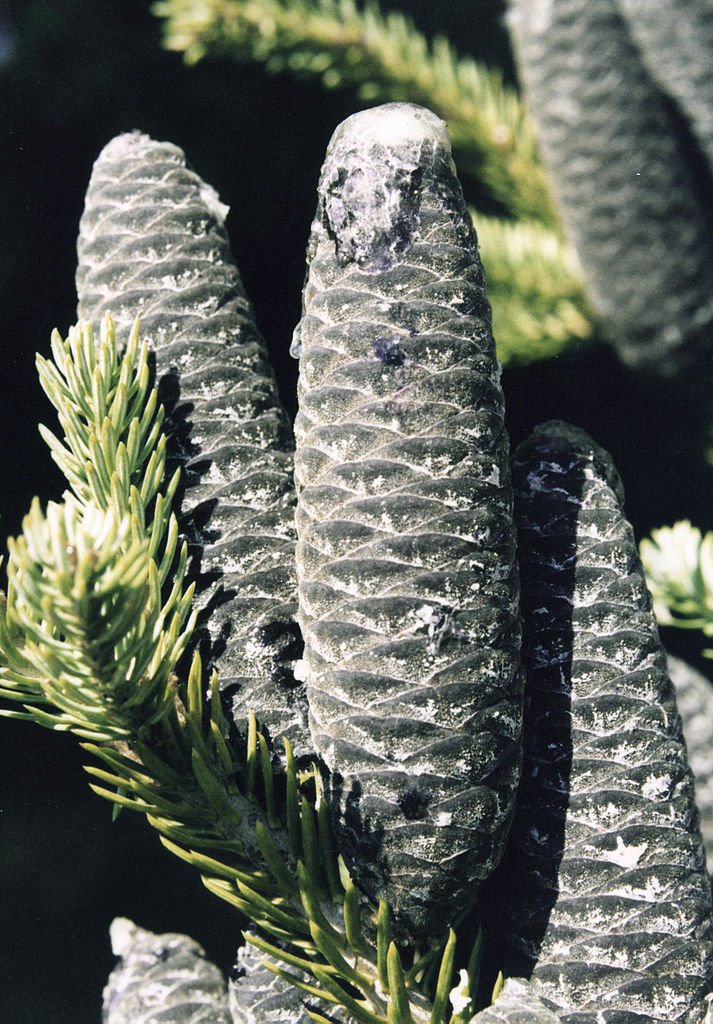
{"x": 385, "y": 58}
{"x": 300, "y": 917}
{"x": 111, "y": 421}
{"x": 84, "y": 601}
{"x": 85, "y": 627}
{"x": 535, "y": 287}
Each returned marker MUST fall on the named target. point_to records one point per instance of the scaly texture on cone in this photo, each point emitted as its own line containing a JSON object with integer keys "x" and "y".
{"x": 694, "y": 697}
{"x": 162, "y": 978}
{"x": 152, "y": 243}
{"x": 257, "y": 996}
{"x": 602, "y": 897}
{"x": 406, "y": 557}
{"x": 516, "y": 1004}
{"x": 622, "y": 176}
{"x": 676, "y": 42}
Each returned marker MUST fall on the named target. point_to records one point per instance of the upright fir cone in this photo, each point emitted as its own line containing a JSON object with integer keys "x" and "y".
{"x": 406, "y": 556}
{"x": 256, "y": 995}
{"x": 623, "y": 176}
{"x": 516, "y": 1004}
{"x": 162, "y": 978}
{"x": 152, "y": 244}
{"x": 602, "y": 897}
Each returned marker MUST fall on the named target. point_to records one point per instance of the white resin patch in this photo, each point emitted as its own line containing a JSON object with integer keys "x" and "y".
{"x": 122, "y": 933}
{"x": 460, "y": 994}
{"x": 212, "y": 200}
{"x": 395, "y": 125}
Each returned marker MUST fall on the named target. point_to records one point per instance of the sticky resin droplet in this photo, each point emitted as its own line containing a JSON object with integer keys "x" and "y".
{"x": 389, "y": 351}
{"x": 296, "y": 344}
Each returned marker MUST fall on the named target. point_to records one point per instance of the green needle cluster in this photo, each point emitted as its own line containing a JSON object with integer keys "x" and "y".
{"x": 679, "y": 566}
{"x": 96, "y": 615}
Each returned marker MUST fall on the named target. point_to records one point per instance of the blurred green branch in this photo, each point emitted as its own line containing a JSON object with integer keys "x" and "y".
{"x": 385, "y": 58}
{"x": 536, "y": 287}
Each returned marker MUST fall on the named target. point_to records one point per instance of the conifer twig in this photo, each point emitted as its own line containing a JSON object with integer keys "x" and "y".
{"x": 386, "y": 58}
{"x": 536, "y": 289}
{"x": 86, "y": 645}
{"x": 678, "y": 561}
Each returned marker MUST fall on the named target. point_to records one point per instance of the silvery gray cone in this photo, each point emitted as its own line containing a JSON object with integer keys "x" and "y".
{"x": 516, "y": 1004}
{"x": 406, "y": 557}
{"x": 622, "y": 176}
{"x": 675, "y": 41}
{"x": 694, "y": 697}
{"x": 602, "y": 897}
{"x": 257, "y": 996}
{"x": 152, "y": 243}
{"x": 162, "y": 979}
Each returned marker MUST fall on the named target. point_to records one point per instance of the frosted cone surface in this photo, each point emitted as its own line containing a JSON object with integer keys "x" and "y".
{"x": 407, "y": 580}
{"x": 162, "y": 978}
{"x": 602, "y": 896}
{"x": 152, "y": 243}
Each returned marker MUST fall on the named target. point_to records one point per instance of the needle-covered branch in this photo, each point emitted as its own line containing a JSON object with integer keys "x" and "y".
{"x": 386, "y": 58}
{"x": 90, "y": 645}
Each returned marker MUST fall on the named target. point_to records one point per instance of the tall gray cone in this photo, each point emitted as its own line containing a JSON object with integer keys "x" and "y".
{"x": 152, "y": 244}
{"x": 162, "y": 979}
{"x": 622, "y": 176}
{"x": 602, "y": 897}
{"x": 406, "y": 557}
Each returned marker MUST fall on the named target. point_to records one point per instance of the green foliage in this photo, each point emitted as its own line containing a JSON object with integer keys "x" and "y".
{"x": 89, "y": 644}
{"x": 536, "y": 288}
{"x": 85, "y": 627}
{"x": 678, "y": 561}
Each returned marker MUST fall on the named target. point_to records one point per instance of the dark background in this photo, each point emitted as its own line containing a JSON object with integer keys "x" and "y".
{"x": 72, "y": 75}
